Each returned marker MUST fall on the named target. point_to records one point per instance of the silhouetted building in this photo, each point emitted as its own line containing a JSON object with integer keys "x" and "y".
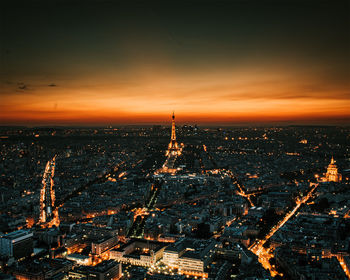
{"x": 17, "y": 244}
{"x": 106, "y": 270}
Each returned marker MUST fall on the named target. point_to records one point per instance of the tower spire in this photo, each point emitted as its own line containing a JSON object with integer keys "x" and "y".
{"x": 173, "y": 148}
{"x": 173, "y": 133}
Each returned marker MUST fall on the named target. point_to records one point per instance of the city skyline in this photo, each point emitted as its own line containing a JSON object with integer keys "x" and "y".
{"x": 222, "y": 204}
{"x": 175, "y": 140}
{"x": 222, "y": 63}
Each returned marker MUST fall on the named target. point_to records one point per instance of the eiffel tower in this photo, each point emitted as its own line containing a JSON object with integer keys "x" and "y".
{"x": 173, "y": 147}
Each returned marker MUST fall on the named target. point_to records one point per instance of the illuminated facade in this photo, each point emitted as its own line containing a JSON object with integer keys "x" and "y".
{"x": 190, "y": 257}
{"x": 139, "y": 253}
{"x": 48, "y": 213}
{"x": 173, "y": 147}
{"x": 332, "y": 174}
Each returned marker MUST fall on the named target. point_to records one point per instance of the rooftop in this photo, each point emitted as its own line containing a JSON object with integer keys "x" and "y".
{"x": 16, "y": 234}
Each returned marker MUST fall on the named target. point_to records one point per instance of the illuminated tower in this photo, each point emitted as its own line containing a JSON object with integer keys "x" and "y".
{"x": 332, "y": 174}
{"x": 48, "y": 213}
{"x": 173, "y": 147}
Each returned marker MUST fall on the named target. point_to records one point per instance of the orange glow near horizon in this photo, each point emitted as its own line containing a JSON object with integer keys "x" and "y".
{"x": 229, "y": 97}
{"x": 237, "y": 63}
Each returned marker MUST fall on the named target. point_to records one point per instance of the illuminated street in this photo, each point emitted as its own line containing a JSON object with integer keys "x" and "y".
{"x": 265, "y": 254}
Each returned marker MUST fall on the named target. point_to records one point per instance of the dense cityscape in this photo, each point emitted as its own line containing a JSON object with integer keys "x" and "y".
{"x": 174, "y": 140}
{"x": 211, "y": 203}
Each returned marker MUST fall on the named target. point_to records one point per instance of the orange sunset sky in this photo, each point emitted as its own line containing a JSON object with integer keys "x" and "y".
{"x": 135, "y": 64}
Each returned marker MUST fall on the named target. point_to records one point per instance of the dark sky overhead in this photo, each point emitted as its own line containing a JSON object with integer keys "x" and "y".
{"x": 110, "y": 62}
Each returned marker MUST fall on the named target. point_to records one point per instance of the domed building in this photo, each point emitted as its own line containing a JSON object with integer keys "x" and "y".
{"x": 332, "y": 174}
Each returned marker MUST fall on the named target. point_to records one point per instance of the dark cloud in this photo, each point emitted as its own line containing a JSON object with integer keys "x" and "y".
{"x": 52, "y": 85}
{"x": 22, "y": 86}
